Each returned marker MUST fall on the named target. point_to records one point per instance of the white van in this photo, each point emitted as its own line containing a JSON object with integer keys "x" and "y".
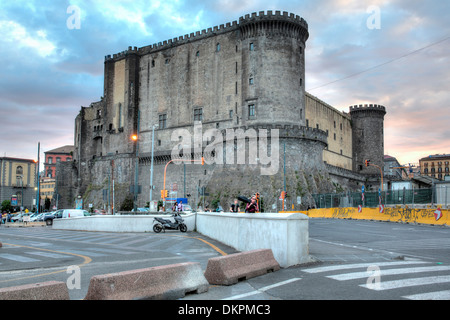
{"x": 72, "y": 213}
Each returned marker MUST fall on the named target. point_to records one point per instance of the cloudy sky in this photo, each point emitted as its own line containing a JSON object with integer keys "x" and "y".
{"x": 395, "y": 53}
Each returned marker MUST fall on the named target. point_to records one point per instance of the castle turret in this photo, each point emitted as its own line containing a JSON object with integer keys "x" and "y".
{"x": 368, "y": 137}
{"x": 273, "y": 66}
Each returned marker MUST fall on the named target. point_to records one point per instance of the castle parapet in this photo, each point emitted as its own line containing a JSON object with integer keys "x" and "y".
{"x": 368, "y": 107}
{"x": 278, "y": 22}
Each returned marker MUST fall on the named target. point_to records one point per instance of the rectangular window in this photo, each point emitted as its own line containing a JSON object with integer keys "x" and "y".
{"x": 251, "y": 110}
{"x": 198, "y": 114}
{"x": 252, "y": 47}
{"x": 250, "y": 81}
{"x": 162, "y": 121}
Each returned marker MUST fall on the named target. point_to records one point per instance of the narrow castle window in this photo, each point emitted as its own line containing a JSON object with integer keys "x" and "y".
{"x": 251, "y": 110}
{"x": 251, "y": 47}
{"x": 250, "y": 81}
{"x": 198, "y": 114}
{"x": 218, "y": 47}
{"x": 153, "y": 63}
{"x": 197, "y": 54}
{"x": 163, "y": 121}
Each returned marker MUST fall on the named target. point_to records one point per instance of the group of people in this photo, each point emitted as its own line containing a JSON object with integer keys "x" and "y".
{"x": 177, "y": 207}
{"x": 250, "y": 207}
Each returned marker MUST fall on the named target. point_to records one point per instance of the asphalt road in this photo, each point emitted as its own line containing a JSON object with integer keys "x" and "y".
{"x": 357, "y": 260}
{"x": 38, "y": 254}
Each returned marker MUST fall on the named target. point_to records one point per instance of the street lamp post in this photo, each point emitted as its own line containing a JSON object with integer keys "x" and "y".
{"x": 135, "y": 138}
{"x": 151, "y": 165}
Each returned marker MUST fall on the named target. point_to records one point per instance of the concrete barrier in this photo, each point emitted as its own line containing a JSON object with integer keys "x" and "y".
{"x": 51, "y": 290}
{"x": 24, "y": 224}
{"x": 117, "y": 223}
{"x": 286, "y": 234}
{"x": 163, "y": 282}
{"x": 230, "y": 269}
{"x": 403, "y": 214}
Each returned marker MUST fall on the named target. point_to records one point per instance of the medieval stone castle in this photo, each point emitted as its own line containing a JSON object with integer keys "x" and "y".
{"x": 247, "y": 75}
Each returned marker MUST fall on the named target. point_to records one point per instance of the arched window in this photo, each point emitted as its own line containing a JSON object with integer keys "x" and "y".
{"x": 19, "y": 170}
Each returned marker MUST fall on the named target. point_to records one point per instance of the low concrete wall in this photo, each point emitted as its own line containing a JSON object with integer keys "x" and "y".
{"x": 286, "y": 234}
{"x": 51, "y": 290}
{"x": 229, "y": 269}
{"x": 163, "y": 282}
{"x": 117, "y": 223}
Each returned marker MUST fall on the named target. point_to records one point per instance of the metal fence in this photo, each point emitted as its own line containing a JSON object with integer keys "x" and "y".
{"x": 373, "y": 199}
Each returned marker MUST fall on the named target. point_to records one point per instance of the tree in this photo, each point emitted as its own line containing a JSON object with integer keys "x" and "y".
{"x": 127, "y": 204}
{"x": 6, "y": 205}
{"x": 47, "y": 204}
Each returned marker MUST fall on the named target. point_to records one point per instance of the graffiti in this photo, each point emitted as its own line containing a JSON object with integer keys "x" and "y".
{"x": 341, "y": 213}
{"x": 397, "y": 214}
{"x": 412, "y": 215}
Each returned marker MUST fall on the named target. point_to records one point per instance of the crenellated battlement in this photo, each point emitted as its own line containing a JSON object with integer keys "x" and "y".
{"x": 278, "y": 22}
{"x": 367, "y": 107}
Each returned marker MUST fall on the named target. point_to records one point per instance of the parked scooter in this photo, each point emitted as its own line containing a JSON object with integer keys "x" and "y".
{"x": 160, "y": 224}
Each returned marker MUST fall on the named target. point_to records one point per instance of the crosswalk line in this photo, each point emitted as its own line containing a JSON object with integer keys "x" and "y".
{"x": 385, "y": 272}
{"x": 260, "y": 290}
{"x": 361, "y": 265}
{"x": 17, "y": 258}
{"x": 436, "y": 295}
{"x": 47, "y": 254}
{"x": 388, "y": 285}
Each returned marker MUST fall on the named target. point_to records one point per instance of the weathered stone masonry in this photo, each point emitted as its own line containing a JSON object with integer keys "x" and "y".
{"x": 247, "y": 74}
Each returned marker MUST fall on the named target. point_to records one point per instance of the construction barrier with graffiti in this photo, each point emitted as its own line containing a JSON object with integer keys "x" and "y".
{"x": 435, "y": 216}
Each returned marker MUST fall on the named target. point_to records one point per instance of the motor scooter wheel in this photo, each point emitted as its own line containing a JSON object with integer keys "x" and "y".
{"x": 183, "y": 227}
{"x": 157, "y": 228}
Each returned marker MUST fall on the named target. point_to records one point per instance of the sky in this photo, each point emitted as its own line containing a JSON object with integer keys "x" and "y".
{"x": 393, "y": 53}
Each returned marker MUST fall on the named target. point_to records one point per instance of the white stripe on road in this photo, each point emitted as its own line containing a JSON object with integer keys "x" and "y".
{"x": 365, "y": 274}
{"x": 388, "y": 285}
{"x": 17, "y": 258}
{"x": 361, "y": 265}
{"x": 48, "y": 254}
{"x": 437, "y": 295}
{"x": 239, "y": 296}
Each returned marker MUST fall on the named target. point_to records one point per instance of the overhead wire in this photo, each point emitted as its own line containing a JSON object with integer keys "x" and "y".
{"x": 382, "y": 64}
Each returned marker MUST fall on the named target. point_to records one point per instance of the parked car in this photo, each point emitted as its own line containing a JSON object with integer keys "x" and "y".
{"x": 64, "y": 214}
{"x": 35, "y": 217}
{"x": 187, "y": 208}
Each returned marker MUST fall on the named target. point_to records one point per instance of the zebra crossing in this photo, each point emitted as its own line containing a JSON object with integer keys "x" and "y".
{"x": 386, "y": 276}
{"x": 56, "y": 244}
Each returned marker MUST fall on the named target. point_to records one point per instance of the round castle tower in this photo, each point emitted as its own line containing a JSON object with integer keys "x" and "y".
{"x": 367, "y": 137}
{"x": 273, "y": 60}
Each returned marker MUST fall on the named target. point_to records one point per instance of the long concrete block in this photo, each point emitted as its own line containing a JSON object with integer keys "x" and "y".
{"x": 228, "y": 270}
{"x": 163, "y": 282}
{"x": 51, "y": 290}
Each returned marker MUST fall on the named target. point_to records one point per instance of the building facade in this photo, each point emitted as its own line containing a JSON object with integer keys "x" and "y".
{"x": 435, "y": 166}
{"x": 233, "y": 94}
{"x": 52, "y": 157}
{"x": 18, "y": 182}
